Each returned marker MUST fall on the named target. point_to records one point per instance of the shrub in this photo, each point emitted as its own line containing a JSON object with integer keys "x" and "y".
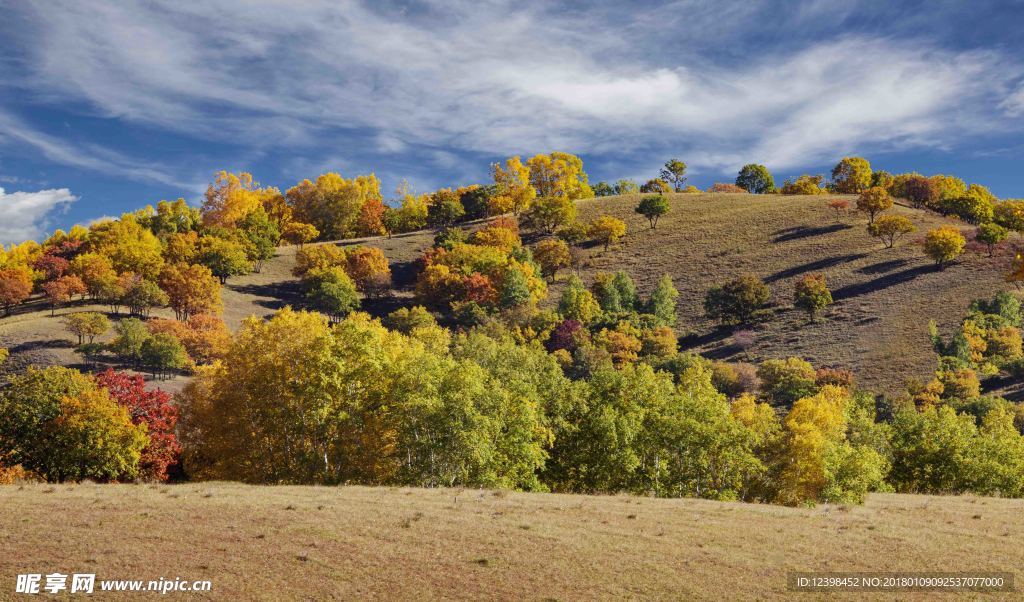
{"x": 944, "y": 244}
{"x": 804, "y": 185}
{"x": 811, "y": 294}
{"x": 725, "y": 187}
{"x": 607, "y": 230}
{"x": 58, "y": 423}
{"x": 736, "y": 301}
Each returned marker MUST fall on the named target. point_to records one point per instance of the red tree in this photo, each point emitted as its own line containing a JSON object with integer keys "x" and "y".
{"x": 152, "y": 408}
{"x": 53, "y": 266}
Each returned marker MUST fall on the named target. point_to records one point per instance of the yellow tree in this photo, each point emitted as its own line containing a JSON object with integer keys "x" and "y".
{"x": 230, "y": 198}
{"x": 191, "y": 290}
{"x": 607, "y": 230}
{"x": 514, "y": 191}
{"x": 559, "y": 175}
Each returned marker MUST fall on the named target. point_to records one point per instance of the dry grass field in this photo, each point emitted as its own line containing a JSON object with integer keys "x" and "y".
{"x": 884, "y": 298}
{"x": 878, "y": 326}
{"x": 333, "y": 543}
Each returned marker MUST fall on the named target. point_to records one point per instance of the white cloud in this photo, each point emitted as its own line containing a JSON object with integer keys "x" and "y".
{"x": 1013, "y": 104}
{"x": 497, "y": 77}
{"x": 24, "y": 215}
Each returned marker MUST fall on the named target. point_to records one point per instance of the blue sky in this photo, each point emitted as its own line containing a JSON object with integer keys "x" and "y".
{"x": 107, "y": 106}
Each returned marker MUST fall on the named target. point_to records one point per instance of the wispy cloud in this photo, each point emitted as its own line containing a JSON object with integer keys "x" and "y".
{"x": 26, "y": 214}
{"x": 497, "y": 77}
{"x": 92, "y": 157}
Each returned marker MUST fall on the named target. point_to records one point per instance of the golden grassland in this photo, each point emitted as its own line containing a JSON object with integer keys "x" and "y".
{"x": 326, "y": 543}
{"x": 878, "y": 326}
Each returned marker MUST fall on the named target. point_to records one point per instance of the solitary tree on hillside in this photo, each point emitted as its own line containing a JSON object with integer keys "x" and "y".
{"x": 944, "y": 245}
{"x": 755, "y": 179}
{"x": 736, "y": 301}
{"x": 812, "y": 295}
{"x": 839, "y": 206}
{"x": 607, "y": 229}
{"x": 890, "y": 228}
{"x": 991, "y": 234}
{"x": 874, "y": 201}
{"x": 674, "y": 172}
{"x": 653, "y": 207}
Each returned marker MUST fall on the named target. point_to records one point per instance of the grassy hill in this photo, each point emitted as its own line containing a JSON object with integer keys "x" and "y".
{"x": 878, "y": 326}
{"x": 319, "y": 543}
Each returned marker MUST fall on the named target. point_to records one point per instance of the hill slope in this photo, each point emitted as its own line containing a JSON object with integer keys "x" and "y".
{"x": 319, "y": 543}
{"x": 884, "y": 298}
{"x": 878, "y": 326}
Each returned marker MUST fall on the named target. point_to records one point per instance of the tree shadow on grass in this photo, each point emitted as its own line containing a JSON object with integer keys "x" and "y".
{"x": 883, "y": 267}
{"x": 884, "y": 282}
{"x": 274, "y": 296}
{"x": 814, "y": 266}
{"x": 800, "y": 232}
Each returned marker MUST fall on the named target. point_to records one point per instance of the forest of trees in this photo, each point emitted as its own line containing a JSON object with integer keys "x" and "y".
{"x": 587, "y": 394}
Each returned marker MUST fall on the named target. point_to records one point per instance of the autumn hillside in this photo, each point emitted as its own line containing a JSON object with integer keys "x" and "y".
{"x": 878, "y": 326}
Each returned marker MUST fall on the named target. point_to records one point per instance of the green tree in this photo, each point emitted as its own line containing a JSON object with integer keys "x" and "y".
{"x": 87, "y": 325}
{"x": 577, "y": 303}
{"x": 224, "y": 258}
{"x": 263, "y": 236}
{"x": 445, "y": 208}
{"x": 162, "y": 353}
{"x": 662, "y": 304}
{"x": 737, "y": 301}
{"x": 674, "y": 172}
{"x": 333, "y": 292}
{"x": 625, "y": 186}
{"x": 991, "y": 234}
{"x": 616, "y": 293}
{"x": 603, "y": 189}
{"x": 756, "y": 179}
{"x": 131, "y": 334}
{"x": 653, "y": 207}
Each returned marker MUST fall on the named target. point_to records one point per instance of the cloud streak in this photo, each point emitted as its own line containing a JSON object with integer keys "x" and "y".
{"x": 497, "y": 78}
